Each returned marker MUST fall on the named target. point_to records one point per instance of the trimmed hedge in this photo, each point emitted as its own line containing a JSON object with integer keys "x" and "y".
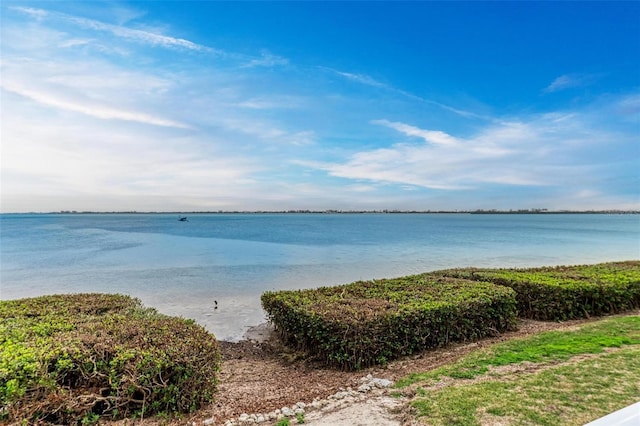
{"x": 565, "y": 292}
{"x": 72, "y": 359}
{"x": 366, "y": 323}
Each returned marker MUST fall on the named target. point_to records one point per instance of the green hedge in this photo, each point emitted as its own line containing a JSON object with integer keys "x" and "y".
{"x": 366, "y": 323}
{"x": 566, "y": 292}
{"x": 72, "y": 359}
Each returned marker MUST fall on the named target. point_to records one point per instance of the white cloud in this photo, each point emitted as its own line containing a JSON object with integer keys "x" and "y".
{"x": 548, "y": 150}
{"x": 33, "y": 12}
{"x": 142, "y": 36}
{"x": 75, "y": 42}
{"x": 64, "y": 157}
{"x": 431, "y": 136}
{"x": 359, "y": 78}
{"x": 629, "y": 107}
{"x": 271, "y": 102}
{"x": 265, "y": 130}
{"x": 267, "y": 59}
{"x": 372, "y": 82}
{"x": 569, "y": 81}
{"x": 361, "y": 188}
{"x": 88, "y": 108}
{"x": 123, "y": 14}
{"x": 147, "y": 36}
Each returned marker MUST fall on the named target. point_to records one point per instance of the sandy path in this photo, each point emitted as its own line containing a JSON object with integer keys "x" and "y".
{"x": 374, "y": 411}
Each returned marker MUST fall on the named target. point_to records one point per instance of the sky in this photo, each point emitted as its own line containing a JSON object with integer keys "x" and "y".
{"x": 207, "y": 106}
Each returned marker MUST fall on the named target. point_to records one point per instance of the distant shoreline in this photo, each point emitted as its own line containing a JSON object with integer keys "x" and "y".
{"x": 258, "y": 212}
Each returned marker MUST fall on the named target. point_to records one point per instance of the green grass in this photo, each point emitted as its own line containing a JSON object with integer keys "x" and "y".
{"x": 545, "y": 347}
{"x": 574, "y": 379}
{"x": 564, "y": 395}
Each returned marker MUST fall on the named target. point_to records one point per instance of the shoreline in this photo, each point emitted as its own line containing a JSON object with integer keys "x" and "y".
{"x": 260, "y": 333}
{"x": 324, "y": 212}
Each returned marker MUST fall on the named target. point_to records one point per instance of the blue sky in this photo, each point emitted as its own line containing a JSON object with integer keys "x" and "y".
{"x": 202, "y": 105}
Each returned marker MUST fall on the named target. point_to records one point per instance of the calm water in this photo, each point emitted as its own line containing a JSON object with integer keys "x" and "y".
{"x": 182, "y": 267}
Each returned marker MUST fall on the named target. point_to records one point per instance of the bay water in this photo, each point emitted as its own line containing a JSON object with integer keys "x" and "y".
{"x": 183, "y": 267}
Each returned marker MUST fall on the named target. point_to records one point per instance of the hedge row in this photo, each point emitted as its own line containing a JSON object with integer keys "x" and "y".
{"x": 366, "y": 323}
{"x": 565, "y": 292}
{"x": 71, "y": 359}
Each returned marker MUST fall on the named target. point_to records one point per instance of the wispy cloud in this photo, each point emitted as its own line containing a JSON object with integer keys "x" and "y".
{"x": 133, "y": 34}
{"x": 359, "y": 78}
{"x": 629, "y": 107}
{"x": 431, "y": 136}
{"x": 266, "y": 59}
{"x": 545, "y": 150}
{"x": 147, "y": 37}
{"x": 91, "y": 109}
{"x": 372, "y": 82}
{"x": 569, "y": 81}
{"x": 66, "y": 156}
{"x": 141, "y": 35}
{"x": 265, "y": 130}
{"x": 31, "y": 11}
{"x": 270, "y": 103}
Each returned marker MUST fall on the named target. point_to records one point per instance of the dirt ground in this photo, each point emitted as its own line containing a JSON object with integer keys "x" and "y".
{"x": 260, "y": 375}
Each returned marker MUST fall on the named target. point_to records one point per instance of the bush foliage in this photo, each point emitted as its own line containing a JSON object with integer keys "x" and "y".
{"x": 365, "y": 323}
{"x": 565, "y": 292}
{"x": 67, "y": 359}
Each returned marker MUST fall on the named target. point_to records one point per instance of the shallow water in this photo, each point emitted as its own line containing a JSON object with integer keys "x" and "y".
{"x": 182, "y": 267}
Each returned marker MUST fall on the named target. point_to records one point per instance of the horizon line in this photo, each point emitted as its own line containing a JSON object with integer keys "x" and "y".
{"x": 339, "y": 211}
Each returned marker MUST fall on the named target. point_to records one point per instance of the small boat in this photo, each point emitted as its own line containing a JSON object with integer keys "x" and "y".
{"x": 183, "y": 219}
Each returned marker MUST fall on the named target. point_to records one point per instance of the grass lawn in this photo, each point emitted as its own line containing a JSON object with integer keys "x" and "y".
{"x": 554, "y": 378}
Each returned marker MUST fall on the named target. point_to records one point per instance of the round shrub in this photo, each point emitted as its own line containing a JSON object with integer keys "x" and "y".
{"x": 66, "y": 359}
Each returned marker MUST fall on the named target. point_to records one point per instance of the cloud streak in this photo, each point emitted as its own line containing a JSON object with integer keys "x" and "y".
{"x": 141, "y": 36}
{"x": 546, "y": 150}
{"x": 265, "y": 59}
{"x": 569, "y": 81}
{"x": 372, "y": 82}
{"x": 431, "y": 136}
{"x": 91, "y": 109}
